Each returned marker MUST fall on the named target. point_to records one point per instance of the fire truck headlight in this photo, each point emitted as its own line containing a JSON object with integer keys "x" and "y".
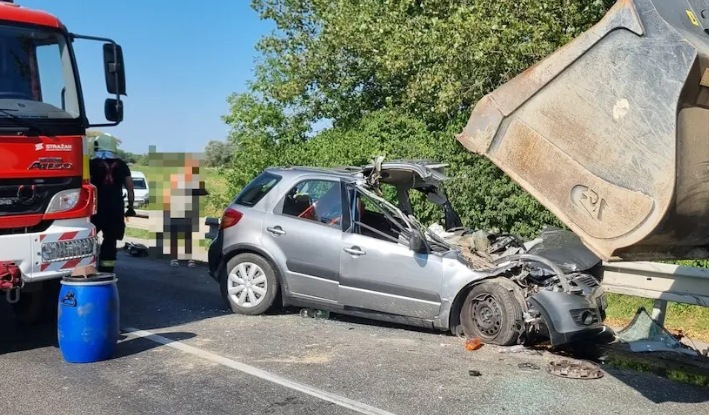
{"x": 64, "y": 200}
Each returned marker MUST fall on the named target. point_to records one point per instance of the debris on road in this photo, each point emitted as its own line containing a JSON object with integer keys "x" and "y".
{"x": 519, "y": 349}
{"x": 473, "y": 372}
{"x": 136, "y": 250}
{"x": 473, "y": 344}
{"x": 528, "y": 366}
{"x": 574, "y": 370}
{"x": 644, "y": 334}
{"x": 313, "y": 313}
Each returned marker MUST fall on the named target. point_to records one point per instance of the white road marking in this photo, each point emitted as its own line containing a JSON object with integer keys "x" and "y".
{"x": 259, "y": 373}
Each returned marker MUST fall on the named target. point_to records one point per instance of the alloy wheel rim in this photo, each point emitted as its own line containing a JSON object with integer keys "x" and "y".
{"x": 247, "y": 285}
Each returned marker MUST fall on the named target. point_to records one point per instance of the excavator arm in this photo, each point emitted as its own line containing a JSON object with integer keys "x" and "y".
{"x": 611, "y": 132}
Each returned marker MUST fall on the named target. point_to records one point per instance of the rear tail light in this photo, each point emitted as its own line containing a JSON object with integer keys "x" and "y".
{"x": 230, "y": 218}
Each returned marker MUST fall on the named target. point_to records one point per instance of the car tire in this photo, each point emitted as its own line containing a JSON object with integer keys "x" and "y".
{"x": 491, "y": 312}
{"x": 248, "y": 276}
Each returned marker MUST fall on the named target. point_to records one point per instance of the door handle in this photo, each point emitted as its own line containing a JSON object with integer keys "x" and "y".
{"x": 276, "y": 231}
{"x": 354, "y": 251}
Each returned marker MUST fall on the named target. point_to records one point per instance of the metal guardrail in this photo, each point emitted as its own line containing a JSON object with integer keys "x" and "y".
{"x": 142, "y": 221}
{"x": 660, "y": 282}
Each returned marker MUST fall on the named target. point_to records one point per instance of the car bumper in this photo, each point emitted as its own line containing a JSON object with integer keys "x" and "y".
{"x": 571, "y": 317}
{"x": 53, "y": 253}
{"x": 215, "y": 255}
{"x": 136, "y": 203}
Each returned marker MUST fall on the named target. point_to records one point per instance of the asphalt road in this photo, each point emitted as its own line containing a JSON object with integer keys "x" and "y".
{"x": 192, "y": 356}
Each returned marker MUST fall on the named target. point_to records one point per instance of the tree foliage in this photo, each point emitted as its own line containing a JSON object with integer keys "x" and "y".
{"x": 396, "y": 77}
{"x": 218, "y": 153}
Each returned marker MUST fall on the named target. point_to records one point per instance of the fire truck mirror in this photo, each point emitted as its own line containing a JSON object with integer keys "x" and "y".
{"x": 113, "y": 110}
{"x": 114, "y": 68}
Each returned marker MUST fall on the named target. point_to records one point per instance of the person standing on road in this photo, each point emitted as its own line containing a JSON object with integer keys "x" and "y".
{"x": 109, "y": 174}
{"x": 181, "y": 215}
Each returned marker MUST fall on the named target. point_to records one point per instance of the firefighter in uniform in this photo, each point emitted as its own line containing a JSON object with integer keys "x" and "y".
{"x": 110, "y": 174}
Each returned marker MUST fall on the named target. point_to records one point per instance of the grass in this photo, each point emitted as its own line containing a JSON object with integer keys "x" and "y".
{"x": 692, "y": 320}
{"x": 137, "y": 233}
{"x": 159, "y": 178}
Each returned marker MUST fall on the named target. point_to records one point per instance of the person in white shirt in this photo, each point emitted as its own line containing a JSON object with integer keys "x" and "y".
{"x": 181, "y": 216}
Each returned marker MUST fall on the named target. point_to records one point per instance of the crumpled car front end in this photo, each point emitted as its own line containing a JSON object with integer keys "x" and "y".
{"x": 553, "y": 279}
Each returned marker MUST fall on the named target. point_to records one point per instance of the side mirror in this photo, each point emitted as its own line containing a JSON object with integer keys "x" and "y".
{"x": 416, "y": 242}
{"x": 113, "y": 110}
{"x": 114, "y": 68}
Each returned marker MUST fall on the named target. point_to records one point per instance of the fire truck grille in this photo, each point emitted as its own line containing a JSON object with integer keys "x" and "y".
{"x": 40, "y": 227}
{"x": 31, "y": 196}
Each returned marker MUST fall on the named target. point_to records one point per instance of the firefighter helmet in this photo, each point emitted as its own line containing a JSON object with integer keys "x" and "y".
{"x": 105, "y": 146}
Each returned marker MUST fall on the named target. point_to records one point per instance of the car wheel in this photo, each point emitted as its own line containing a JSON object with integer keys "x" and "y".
{"x": 491, "y": 312}
{"x": 249, "y": 285}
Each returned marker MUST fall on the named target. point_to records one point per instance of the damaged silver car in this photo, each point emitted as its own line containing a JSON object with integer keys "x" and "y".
{"x": 330, "y": 239}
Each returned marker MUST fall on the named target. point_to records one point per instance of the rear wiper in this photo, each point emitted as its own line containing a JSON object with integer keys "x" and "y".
{"x": 21, "y": 121}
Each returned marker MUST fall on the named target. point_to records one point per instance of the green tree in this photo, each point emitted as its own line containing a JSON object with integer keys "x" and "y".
{"x": 218, "y": 153}
{"x": 396, "y": 77}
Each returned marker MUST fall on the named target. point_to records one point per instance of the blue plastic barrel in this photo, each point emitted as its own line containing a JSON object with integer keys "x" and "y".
{"x": 87, "y": 325}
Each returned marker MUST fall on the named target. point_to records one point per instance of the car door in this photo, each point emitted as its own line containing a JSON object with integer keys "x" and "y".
{"x": 378, "y": 272}
{"x": 305, "y": 227}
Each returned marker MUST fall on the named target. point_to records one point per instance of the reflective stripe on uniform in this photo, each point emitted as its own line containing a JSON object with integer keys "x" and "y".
{"x": 107, "y": 263}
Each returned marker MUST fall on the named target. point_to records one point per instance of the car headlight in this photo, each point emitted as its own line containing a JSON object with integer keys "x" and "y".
{"x": 64, "y": 200}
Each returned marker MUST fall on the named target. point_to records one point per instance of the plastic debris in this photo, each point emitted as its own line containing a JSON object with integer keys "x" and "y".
{"x": 313, "y": 313}
{"x": 307, "y": 312}
{"x": 644, "y": 334}
{"x": 322, "y": 314}
{"x": 473, "y": 344}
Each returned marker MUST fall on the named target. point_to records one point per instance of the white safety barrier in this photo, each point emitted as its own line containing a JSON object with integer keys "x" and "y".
{"x": 660, "y": 282}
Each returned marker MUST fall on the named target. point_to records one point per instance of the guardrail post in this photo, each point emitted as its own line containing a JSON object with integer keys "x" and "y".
{"x": 659, "y": 310}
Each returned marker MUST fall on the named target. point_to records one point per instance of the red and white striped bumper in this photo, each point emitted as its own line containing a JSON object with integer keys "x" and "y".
{"x": 54, "y": 253}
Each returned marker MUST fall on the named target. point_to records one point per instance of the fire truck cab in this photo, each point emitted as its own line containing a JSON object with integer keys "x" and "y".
{"x": 46, "y": 198}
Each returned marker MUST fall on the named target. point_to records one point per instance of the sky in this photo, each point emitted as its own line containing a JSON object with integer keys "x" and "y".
{"x": 183, "y": 58}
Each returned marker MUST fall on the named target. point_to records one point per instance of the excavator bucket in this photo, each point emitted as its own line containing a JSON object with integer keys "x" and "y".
{"x": 611, "y": 132}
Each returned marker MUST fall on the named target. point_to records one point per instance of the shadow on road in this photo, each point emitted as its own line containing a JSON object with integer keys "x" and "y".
{"x": 18, "y": 338}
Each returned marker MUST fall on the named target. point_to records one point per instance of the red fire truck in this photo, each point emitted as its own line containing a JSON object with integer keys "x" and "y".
{"x": 46, "y": 198}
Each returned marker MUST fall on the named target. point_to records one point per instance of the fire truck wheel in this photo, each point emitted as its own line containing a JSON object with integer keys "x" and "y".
{"x": 39, "y": 306}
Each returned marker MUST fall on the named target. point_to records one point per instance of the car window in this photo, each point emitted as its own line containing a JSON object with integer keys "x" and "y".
{"x": 257, "y": 189}
{"x": 370, "y": 218}
{"x": 316, "y": 200}
{"x": 139, "y": 183}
